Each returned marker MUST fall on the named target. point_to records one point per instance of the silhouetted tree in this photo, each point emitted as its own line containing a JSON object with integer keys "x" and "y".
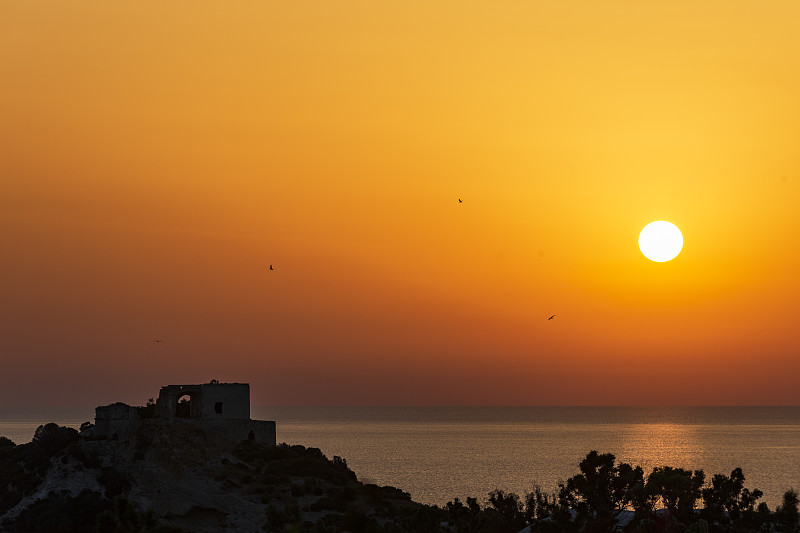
{"x": 723, "y": 495}
{"x": 459, "y": 516}
{"x": 425, "y": 519}
{"x": 786, "y": 513}
{"x": 473, "y": 505}
{"x": 727, "y": 494}
{"x": 508, "y": 510}
{"x": 51, "y": 437}
{"x": 602, "y": 489}
{"x": 643, "y": 500}
{"x": 679, "y": 489}
{"x": 750, "y": 517}
{"x": 539, "y": 505}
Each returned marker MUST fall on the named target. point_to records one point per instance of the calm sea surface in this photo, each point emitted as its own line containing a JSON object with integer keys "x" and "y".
{"x": 438, "y": 453}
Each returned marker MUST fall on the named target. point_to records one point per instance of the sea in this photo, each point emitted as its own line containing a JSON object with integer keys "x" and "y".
{"x": 440, "y": 453}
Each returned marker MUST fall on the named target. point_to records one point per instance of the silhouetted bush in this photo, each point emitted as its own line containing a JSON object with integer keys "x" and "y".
{"x": 51, "y": 438}
{"x": 278, "y": 517}
{"x": 356, "y": 521}
{"x": 18, "y": 476}
{"x": 122, "y": 517}
{"x": 142, "y": 444}
{"x": 280, "y": 462}
{"x": 507, "y": 510}
{"x": 113, "y": 481}
{"x": 61, "y": 513}
{"x": 106, "y": 522}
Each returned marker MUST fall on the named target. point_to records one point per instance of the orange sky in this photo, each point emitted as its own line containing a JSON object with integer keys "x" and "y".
{"x": 156, "y": 157}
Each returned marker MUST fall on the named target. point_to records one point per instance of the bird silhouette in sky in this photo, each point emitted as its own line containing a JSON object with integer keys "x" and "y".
{"x": 157, "y": 340}
{"x": 551, "y": 317}
{"x": 459, "y": 201}
{"x": 270, "y": 267}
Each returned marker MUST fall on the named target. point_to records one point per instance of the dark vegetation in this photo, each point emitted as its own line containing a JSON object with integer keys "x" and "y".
{"x": 301, "y": 490}
{"x": 606, "y": 496}
{"x": 305, "y": 491}
{"x": 22, "y": 469}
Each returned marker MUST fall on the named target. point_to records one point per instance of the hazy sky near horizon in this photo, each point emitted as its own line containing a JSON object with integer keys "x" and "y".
{"x": 156, "y": 157}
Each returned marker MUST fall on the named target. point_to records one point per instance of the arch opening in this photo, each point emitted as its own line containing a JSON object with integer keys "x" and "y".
{"x": 185, "y": 406}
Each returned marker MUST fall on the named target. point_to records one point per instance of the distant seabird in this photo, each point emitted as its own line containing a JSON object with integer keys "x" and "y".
{"x": 270, "y": 267}
{"x": 552, "y": 317}
{"x": 157, "y": 340}
{"x": 459, "y": 200}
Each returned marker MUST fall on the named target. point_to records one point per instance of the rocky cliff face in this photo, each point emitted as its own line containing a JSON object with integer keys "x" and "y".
{"x": 171, "y": 477}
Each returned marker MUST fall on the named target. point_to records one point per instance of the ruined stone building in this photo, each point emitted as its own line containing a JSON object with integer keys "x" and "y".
{"x": 221, "y": 410}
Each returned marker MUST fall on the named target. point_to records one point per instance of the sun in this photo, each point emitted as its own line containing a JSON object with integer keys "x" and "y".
{"x": 660, "y": 241}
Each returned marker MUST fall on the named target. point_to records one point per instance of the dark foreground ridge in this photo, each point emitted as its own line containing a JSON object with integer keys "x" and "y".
{"x": 172, "y": 478}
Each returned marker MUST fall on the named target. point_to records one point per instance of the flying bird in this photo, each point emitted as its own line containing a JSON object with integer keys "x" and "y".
{"x": 552, "y": 317}
{"x": 270, "y": 267}
{"x": 459, "y": 201}
{"x": 157, "y": 340}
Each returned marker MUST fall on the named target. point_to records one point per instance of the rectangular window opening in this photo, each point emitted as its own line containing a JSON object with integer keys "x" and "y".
{"x": 218, "y": 407}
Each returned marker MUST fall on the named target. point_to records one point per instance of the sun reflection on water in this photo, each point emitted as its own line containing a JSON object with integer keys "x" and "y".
{"x": 662, "y": 444}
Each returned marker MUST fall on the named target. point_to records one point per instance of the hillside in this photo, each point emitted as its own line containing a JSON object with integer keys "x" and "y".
{"x": 169, "y": 478}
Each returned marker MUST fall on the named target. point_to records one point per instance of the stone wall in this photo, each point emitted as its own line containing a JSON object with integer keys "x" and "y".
{"x": 222, "y": 410}
{"x": 225, "y": 401}
{"x": 209, "y": 401}
{"x": 114, "y": 420}
{"x": 233, "y": 431}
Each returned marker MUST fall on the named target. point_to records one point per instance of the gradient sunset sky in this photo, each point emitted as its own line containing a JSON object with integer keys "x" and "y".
{"x": 156, "y": 157}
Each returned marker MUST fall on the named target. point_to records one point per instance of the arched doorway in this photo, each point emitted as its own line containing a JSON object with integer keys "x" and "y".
{"x": 185, "y": 406}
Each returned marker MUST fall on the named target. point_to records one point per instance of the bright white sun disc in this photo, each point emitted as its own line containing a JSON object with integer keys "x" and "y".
{"x": 660, "y": 241}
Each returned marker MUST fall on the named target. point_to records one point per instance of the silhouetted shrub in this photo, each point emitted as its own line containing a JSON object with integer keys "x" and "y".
{"x": 276, "y": 518}
{"x": 51, "y": 438}
{"x": 106, "y": 522}
{"x": 423, "y": 519}
{"x": 61, "y": 513}
{"x": 142, "y": 444}
{"x": 508, "y": 510}
{"x": 297, "y": 490}
{"x": 329, "y": 504}
{"x": 113, "y": 481}
{"x": 355, "y": 520}
{"x": 75, "y": 450}
{"x": 18, "y": 476}
{"x": 280, "y": 463}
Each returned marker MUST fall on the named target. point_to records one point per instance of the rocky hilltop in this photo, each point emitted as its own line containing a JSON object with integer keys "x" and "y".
{"x": 169, "y": 477}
